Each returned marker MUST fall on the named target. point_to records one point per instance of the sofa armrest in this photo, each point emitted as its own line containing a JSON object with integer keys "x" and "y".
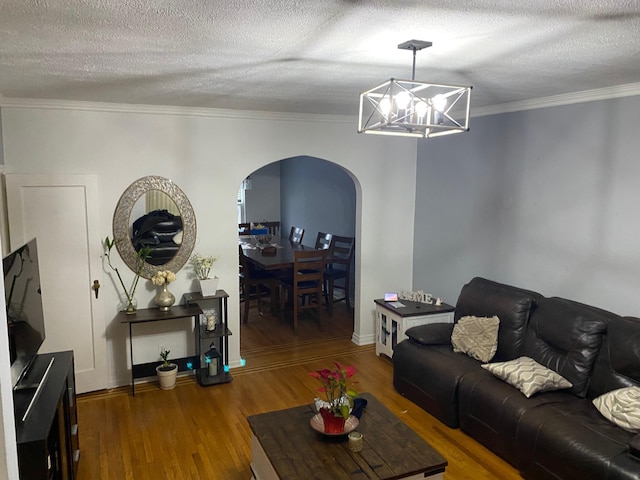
{"x": 634, "y": 445}
{"x": 431, "y": 334}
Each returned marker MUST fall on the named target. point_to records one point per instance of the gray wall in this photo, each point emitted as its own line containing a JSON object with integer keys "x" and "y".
{"x": 263, "y": 200}
{"x": 318, "y": 196}
{"x": 545, "y": 199}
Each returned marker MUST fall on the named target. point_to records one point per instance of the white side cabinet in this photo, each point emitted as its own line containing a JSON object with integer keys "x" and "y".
{"x": 392, "y": 322}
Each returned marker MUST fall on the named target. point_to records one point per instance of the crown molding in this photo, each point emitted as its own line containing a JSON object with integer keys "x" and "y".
{"x": 618, "y": 91}
{"x": 628, "y": 90}
{"x": 29, "y": 103}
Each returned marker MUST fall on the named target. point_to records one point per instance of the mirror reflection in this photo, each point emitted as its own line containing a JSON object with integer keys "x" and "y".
{"x": 154, "y": 212}
{"x": 157, "y": 224}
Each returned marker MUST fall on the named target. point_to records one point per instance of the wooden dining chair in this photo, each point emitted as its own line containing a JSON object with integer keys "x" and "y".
{"x": 273, "y": 228}
{"x": 323, "y": 241}
{"x": 252, "y": 282}
{"x": 296, "y": 234}
{"x": 338, "y": 269}
{"x": 303, "y": 288}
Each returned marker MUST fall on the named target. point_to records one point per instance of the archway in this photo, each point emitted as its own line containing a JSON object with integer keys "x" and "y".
{"x": 311, "y": 192}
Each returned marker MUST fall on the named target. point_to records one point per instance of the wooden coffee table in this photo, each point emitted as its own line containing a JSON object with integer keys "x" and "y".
{"x": 285, "y": 447}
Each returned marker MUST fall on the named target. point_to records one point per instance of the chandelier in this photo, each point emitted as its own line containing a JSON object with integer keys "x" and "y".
{"x": 414, "y": 109}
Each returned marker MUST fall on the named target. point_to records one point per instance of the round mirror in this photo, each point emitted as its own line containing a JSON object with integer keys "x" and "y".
{"x": 153, "y": 212}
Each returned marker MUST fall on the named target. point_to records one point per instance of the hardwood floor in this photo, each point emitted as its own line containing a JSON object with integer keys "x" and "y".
{"x": 194, "y": 432}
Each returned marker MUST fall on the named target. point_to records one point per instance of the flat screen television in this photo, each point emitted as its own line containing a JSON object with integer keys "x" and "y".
{"x": 25, "y": 316}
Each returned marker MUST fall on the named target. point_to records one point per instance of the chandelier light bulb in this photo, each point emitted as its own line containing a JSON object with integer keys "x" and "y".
{"x": 385, "y": 106}
{"x": 421, "y": 109}
{"x": 402, "y": 100}
{"x": 439, "y": 102}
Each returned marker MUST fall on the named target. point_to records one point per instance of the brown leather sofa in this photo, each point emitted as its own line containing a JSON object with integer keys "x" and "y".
{"x": 551, "y": 435}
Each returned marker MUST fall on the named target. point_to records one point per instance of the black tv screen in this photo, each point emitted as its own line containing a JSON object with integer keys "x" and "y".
{"x": 25, "y": 316}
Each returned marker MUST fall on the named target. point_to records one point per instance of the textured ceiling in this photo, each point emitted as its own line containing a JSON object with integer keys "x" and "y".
{"x": 312, "y": 56}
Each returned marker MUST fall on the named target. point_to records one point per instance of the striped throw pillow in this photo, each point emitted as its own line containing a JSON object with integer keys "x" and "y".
{"x": 622, "y": 407}
{"x": 528, "y": 376}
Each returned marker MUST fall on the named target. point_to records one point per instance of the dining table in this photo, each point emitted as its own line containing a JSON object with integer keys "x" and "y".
{"x": 281, "y": 259}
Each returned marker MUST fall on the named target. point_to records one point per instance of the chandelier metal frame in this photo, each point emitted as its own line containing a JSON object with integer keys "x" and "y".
{"x": 414, "y": 109}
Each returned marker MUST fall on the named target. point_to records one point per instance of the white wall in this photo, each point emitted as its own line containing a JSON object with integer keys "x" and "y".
{"x": 544, "y": 199}
{"x": 207, "y": 154}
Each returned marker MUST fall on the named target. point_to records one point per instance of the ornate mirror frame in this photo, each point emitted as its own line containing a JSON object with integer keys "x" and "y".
{"x": 122, "y": 224}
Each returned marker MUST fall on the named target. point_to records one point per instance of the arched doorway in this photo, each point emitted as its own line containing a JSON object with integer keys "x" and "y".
{"x": 315, "y": 194}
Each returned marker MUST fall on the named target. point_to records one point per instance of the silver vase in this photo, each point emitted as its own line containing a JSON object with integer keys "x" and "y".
{"x": 164, "y": 299}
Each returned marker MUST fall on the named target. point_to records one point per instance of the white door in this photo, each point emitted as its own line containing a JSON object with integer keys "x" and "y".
{"x": 61, "y": 212}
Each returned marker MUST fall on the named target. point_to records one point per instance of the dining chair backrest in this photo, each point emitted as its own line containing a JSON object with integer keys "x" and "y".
{"x": 296, "y": 234}
{"x": 308, "y": 269}
{"x": 341, "y": 250}
{"x": 323, "y": 241}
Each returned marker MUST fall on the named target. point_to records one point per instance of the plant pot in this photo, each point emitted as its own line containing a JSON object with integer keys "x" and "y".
{"x": 167, "y": 376}
{"x": 332, "y": 423}
{"x": 209, "y": 287}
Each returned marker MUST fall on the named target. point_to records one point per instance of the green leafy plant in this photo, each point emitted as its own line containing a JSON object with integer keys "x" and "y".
{"x": 335, "y": 386}
{"x": 141, "y": 257}
{"x": 164, "y": 354}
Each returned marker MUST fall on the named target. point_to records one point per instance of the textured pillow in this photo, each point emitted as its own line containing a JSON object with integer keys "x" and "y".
{"x": 622, "y": 407}
{"x": 476, "y": 336}
{"x": 528, "y": 376}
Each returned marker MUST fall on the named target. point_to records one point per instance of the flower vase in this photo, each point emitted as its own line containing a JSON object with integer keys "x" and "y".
{"x": 128, "y": 305}
{"x": 209, "y": 286}
{"x": 164, "y": 299}
{"x": 331, "y": 422}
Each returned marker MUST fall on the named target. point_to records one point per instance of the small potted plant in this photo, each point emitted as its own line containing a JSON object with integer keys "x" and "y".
{"x": 338, "y": 402}
{"x": 202, "y": 268}
{"x": 166, "y": 371}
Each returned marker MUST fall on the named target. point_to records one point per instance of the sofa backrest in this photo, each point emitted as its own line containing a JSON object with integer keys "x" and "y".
{"x": 512, "y": 305}
{"x": 618, "y": 362}
{"x": 566, "y": 337}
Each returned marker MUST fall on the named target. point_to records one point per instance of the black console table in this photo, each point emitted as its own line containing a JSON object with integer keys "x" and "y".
{"x": 47, "y": 419}
{"x": 146, "y": 315}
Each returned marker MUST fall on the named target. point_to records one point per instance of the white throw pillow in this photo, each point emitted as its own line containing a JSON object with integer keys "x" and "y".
{"x": 476, "y": 336}
{"x": 622, "y": 407}
{"x": 528, "y": 376}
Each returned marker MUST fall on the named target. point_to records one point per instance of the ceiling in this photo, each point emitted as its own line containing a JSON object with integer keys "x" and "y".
{"x": 312, "y": 56}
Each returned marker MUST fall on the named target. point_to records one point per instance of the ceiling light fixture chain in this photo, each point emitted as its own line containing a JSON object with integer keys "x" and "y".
{"x": 412, "y": 108}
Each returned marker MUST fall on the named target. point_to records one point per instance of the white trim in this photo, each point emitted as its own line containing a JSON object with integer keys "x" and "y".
{"x": 628, "y": 90}
{"x": 169, "y": 110}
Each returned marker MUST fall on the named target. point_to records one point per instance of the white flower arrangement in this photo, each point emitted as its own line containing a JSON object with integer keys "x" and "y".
{"x": 163, "y": 276}
{"x": 202, "y": 265}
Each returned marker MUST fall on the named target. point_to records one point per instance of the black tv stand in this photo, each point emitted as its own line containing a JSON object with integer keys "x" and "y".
{"x": 48, "y": 446}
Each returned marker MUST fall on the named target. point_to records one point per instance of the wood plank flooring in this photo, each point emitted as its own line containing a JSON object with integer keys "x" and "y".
{"x": 194, "y": 432}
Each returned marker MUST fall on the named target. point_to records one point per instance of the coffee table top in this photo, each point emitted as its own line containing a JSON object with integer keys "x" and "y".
{"x": 391, "y": 449}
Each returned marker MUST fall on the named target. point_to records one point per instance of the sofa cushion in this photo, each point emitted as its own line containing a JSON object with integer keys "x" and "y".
{"x": 429, "y": 377}
{"x": 476, "y": 336}
{"x": 622, "y": 407}
{"x": 572, "y": 440}
{"x": 490, "y": 410}
{"x": 430, "y": 334}
{"x": 528, "y": 376}
{"x": 565, "y": 336}
{"x": 618, "y": 362}
{"x": 485, "y": 298}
